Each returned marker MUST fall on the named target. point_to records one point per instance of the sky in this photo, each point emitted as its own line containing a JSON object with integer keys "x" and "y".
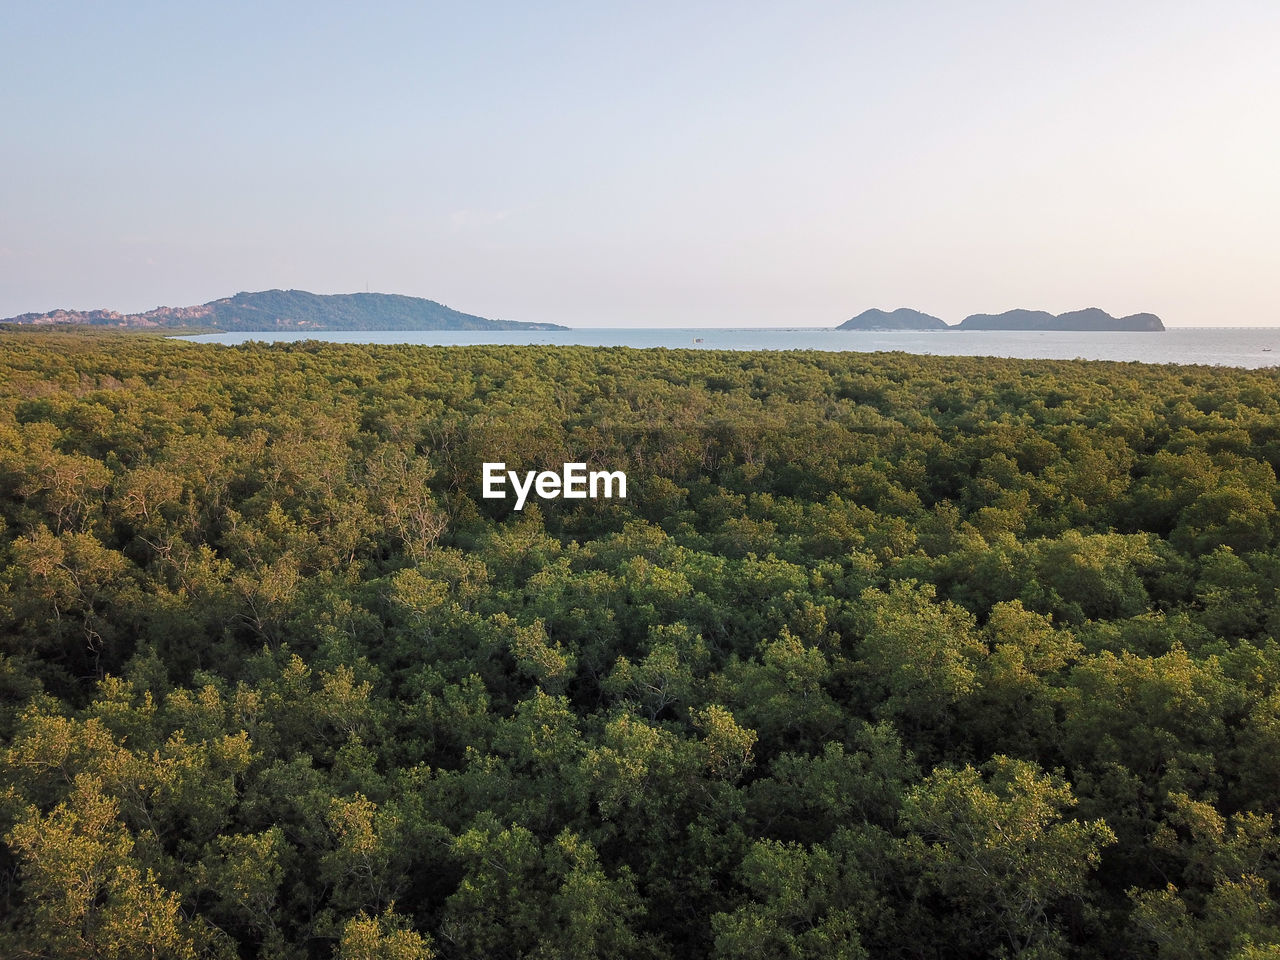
{"x": 682, "y": 164}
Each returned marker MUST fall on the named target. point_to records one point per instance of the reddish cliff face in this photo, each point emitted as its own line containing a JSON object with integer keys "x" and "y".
{"x": 159, "y": 317}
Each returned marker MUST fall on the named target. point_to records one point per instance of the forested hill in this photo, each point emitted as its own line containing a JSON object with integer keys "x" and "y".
{"x": 291, "y": 310}
{"x": 1090, "y": 319}
{"x": 882, "y": 656}
{"x": 903, "y": 318}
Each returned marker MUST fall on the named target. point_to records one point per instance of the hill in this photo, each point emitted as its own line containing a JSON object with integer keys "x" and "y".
{"x": 901, "y": 319}
{"x": 1091, "y": 319}
{"x": 291, "y": 310}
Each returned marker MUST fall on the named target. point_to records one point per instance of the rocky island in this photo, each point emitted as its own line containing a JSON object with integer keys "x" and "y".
{"x": 1091, "y": 319}
{"x": 903, "y": 318}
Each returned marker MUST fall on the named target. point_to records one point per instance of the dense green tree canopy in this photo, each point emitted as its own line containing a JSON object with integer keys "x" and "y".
{"x": 881, "y": 656}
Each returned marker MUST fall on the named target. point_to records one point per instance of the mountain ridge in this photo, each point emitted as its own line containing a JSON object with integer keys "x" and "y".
{"x": 1092, "y": 319}
{"x": 904, "y": 318}
{"x": 273, "y": 310}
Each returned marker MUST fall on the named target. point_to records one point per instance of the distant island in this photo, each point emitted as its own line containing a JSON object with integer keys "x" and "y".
{"x": 272, "y": 310}
{"x": 1091, "y": 320}
{"x": 901, "y": 319}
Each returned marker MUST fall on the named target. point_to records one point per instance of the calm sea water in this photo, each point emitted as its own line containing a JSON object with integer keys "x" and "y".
{"x": 1233, "y": 347}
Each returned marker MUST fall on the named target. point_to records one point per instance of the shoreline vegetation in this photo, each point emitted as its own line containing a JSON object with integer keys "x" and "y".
{"x": 882, "y": 655}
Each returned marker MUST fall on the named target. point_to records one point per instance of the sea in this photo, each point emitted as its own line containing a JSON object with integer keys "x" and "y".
{"x": 1219, "y": 346}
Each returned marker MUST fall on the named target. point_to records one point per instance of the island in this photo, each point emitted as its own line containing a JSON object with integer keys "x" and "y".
{"x": 273, "y": 310}
{"x": 903, "y": 318}
{"x": 1091, "y": 320}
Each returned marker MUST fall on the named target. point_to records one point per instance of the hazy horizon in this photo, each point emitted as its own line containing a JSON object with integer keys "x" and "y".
{"x": 673, "y": 165}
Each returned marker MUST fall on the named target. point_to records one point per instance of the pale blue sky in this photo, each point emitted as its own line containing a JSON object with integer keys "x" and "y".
{"x": 657, "y": 164}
